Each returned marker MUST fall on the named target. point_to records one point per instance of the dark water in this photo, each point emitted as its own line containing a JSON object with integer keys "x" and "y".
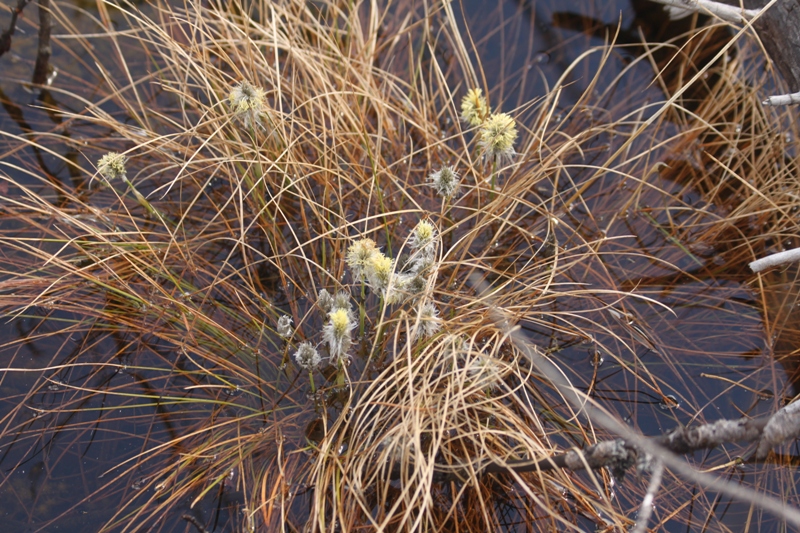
{"x": 726, "y": 356}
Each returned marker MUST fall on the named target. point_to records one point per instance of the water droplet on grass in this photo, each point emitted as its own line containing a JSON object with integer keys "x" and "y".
{"x": 541, "y": 58}
{"x": 669, "y": 402}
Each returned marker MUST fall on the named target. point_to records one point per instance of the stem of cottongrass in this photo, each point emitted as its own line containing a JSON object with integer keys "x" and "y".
{"x": 146, "y": 204}
{"x": 381, "y": 330}
{"x": 311, "y": 381}
{"x": 362, "y": 313}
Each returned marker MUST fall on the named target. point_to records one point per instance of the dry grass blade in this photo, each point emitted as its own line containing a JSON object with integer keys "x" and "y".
{"x": 261, "y": 297}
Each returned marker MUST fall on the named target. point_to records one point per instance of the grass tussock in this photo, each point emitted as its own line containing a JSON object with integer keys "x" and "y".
{"x": 254, "y": 149}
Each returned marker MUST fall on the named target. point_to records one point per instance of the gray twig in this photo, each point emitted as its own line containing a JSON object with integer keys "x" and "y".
{"x": 647, "y": 502}
{"x": 783, "y": 99}
{"x": 586, "y": 406}
{"x": 778, "y": 259}
{"x": 682, "y": 8}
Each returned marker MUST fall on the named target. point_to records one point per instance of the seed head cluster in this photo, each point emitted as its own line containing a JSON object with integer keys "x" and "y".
{"x": 474, "y": 108}
{"x": 248, "y": 103}
{"x": 497, "y": 136}
{"x": 446, "y": 182}
{"x": 285, "y": 327}
{"x": 112, "y": 167}
{"x": 359, "y": 256}
{"x": 337, "y": 333}
{"x": 411, "y": 280}
{"x": 307, "y": 356}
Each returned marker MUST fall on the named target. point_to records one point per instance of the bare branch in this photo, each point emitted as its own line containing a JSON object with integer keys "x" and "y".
{"x": 783, "y": 99}
{"x": 647, "y": 502}
{"x": 683, "y": 8}
{"x": 778, "y": 259}
{"x": 781, "y": 427}
{"x": 586, "y": 406}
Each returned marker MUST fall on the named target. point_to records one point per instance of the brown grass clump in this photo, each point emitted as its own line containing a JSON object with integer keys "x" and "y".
{"x": 260, "y": 143}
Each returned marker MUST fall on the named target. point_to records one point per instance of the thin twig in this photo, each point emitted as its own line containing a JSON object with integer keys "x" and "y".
{"x": 783, "y": 99}
{"x": 647, "y": 502}
{"x": 778, "y": 259}
{"x": 718, "y": 9}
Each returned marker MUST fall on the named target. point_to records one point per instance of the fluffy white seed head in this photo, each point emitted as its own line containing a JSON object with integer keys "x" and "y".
{"x": 446, "y": 181}
{"x": 248, "y": 104}
{"x": 484, "y": 371}
{"x": 429, "y": 321}
{"x": 307, "y": 356}
{"x": 285, "y": 327}
{"x": 359, "y": 256}
{"x": 325, "y": 301}
{"x": 337, "y": 333}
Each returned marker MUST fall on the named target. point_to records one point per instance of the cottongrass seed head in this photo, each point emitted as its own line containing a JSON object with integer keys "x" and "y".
{"x": 112, "y": 167}
{"x": 247, "y": 103}
{"x": 423, "y": 241}
{"x": 328, "y": 303}
{"x": 474, "y": 108}
{"x": 446, "y": 181}
{"x": 423, "y": 237}
{"x": 359, "y": 256}
{"x": 307, "y": 356}
{"x": 342, "y": 301}
{"x": 285, "y": 327}
{"x": 497, "y": 136}
{"x": 379, "y": 273}
{"x": 337, "y": 334}
{"x": 485, "y": 371}
{"x": 429, "y": 321}
{"x": 325, "y": 301}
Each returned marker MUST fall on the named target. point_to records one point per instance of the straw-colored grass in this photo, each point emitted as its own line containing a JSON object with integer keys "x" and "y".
{"x": 164, "y": 296}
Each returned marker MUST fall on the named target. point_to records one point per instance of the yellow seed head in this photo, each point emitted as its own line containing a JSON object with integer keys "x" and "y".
{"x": 248, "y": 102}
{"x": 359, "y": 255}
{"x": 474, "y": 108}
{"x": 337, "y": 334}
{"x": 381, "y": 267}
{"x": 112, "y": 166}
{"x": 379, "y": 272}
{"x": 497, "y": 136}
{"x": 423, "y": 237}
{"x": 340, "y": 321}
